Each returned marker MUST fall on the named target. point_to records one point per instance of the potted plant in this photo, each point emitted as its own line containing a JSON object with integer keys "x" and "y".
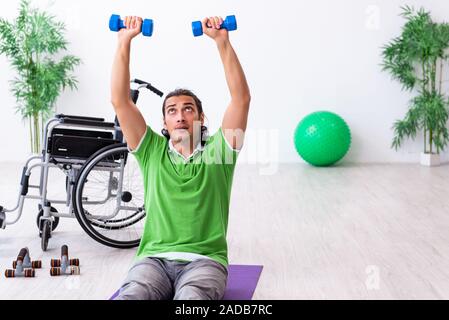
{"x": 31, "y": 43}
{"x": 416, "y": 59}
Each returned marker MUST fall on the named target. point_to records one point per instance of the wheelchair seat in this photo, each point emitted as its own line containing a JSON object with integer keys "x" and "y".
{"x": 70, "y": 145}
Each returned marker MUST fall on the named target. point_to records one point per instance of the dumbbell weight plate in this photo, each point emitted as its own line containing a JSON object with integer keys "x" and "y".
{"x": 55, "y": 272}
{"x": 29, "y": 273}
{"x": 147, "y": 27}
{"x": 74, "y": 270}
{"x": 231, "y": 23}
{"x": 9, "y": 273}
{"x": 74, "y": 262}
{"x": 55, "y": 263}
{"x": 197, "y": 28}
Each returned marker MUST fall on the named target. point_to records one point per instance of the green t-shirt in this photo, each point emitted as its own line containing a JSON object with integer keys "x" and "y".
{"x": 186, "y": 202}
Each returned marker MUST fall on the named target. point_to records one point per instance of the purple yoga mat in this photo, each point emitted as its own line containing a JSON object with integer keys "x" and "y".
{"x": 242, "y": 282}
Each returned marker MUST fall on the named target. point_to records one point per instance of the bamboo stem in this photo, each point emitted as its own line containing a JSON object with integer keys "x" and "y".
{"x": 441, "y": 75}
{"x": 31, "y": 134}
{"x": 41, "y": 132}
{"x": 423, "y": 66}
{"x": 38, "y": 142}
{"x": 425, "y": 140}
{"x": 36, "y": 132}
{"x": 433, "y": 76}
{"x": 430, "y": 139}
{"x": 424, "y": 89}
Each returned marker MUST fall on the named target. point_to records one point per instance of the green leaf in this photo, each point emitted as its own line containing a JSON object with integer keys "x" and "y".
{"x": 412, "y": 59}
{"x": 34, "y": 43}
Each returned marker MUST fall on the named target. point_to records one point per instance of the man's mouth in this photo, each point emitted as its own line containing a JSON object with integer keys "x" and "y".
{"x": 181, "y": 127}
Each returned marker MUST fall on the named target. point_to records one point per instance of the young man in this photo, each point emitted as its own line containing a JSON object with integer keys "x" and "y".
{"x": 187, "y": 179}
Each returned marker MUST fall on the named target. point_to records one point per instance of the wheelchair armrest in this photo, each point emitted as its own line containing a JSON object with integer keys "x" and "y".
{"x": 59, "y": 116}
{"x": 89, "y": 123}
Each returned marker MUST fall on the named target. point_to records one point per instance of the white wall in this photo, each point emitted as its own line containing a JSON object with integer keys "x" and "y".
{"x": 299, "y": 57}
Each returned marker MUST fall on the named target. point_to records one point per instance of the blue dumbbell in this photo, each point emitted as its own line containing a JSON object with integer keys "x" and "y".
{"x": 229, "y": 24}
{"x": 115, "y": 24}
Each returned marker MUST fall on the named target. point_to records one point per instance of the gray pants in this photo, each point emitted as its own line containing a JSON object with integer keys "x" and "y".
{"x": 161, "y": 279}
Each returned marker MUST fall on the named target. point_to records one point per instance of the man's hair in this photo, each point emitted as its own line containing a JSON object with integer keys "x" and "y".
{"x": 183, "y": 92}
{"x": 199, "y": 105}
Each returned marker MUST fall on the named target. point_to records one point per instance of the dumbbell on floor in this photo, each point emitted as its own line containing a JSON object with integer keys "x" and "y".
{"x": 64, "y": 266}
{"x": 230, "y": 24}
{"x": 115, "y": 24}
{"x": 25, "y": 259}
{"x": 23, "y": 266}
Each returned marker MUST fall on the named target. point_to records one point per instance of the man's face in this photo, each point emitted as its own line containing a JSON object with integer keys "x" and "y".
{"x": 182, "y": 118}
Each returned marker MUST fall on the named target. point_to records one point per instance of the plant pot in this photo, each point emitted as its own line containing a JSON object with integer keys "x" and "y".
{"x": 430, "y": 159}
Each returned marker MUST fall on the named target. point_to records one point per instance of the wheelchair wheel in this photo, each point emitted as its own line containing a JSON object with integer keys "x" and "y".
{"x": 45, "y": 234}
{"x": 108, "y": 198}
{"x": 55, "y": 221}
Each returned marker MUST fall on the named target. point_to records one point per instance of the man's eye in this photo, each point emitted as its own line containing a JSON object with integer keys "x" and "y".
{"x": 171, "y": 110}
{"x": 189, "y": 108}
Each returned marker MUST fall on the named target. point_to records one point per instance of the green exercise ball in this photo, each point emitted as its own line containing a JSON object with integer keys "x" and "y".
{"x": 322, "y": 138}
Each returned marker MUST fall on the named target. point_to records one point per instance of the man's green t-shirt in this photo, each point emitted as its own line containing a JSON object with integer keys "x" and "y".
{"x": 186, "y": 202}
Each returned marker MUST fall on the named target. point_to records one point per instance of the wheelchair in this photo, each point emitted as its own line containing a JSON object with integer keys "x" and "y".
{"x": 103, "y": 185}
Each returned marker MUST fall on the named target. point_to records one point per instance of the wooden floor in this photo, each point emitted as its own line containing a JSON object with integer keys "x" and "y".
{"x": 348, "y": 232}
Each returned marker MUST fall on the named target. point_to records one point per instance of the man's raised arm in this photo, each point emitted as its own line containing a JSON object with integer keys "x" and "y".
{"x": 236, "y": 116}
{"x": 131, "y": 120}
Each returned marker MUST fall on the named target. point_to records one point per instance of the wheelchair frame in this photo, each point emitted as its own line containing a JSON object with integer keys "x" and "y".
{"x": 70, "y": 166}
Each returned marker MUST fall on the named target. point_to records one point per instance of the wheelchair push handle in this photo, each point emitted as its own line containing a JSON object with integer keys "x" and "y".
{"x": 143, "y": 84}
{"x": 155, "y": 90}
{"x": 139, "y": 81}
